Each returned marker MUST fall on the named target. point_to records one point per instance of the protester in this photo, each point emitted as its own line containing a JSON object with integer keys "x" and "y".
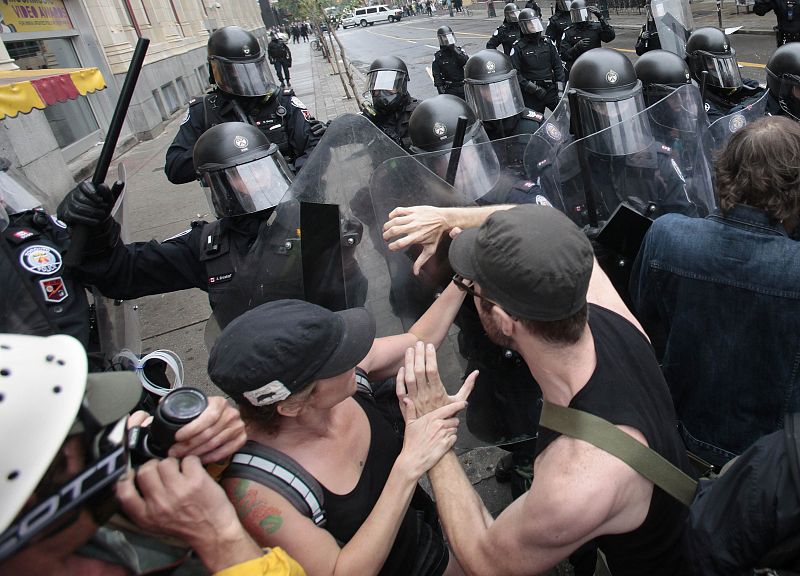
{"x": 69, "y": 451}
{"x": 720, "y": 292}
{"x": 539, "y": 291}
{"x": 297, "y": 387}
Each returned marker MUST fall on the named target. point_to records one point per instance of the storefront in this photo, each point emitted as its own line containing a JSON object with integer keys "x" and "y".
{"x": 42, "y": 35}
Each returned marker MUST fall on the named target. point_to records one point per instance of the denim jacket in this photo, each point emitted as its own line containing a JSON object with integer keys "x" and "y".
{"x": 726, "y": 291}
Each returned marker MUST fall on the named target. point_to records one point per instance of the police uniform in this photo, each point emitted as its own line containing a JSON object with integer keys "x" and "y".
{"x": 41, "y": 286}
{"x": 284, "y": 120}
{"x": 538, "y": 62}
{"x": 448, "y": 71}
{"x": 596, "y": 32}
{"x": 526, "y": 122}
{"x": 650, "y": 181}
{"x": 788, "y": 14}
{"x": 648, "y": 38}
{"x": 557, "y": 25}
{"x": 395, "y": 123}
{"x": 718, "y": 106}
{"x": 506, "y": 34}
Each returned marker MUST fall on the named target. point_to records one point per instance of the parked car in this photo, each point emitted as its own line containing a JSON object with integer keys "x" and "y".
{"x": 368, "y": 15}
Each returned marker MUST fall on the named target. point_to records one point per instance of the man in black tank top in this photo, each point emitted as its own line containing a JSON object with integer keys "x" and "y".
{"x": 540, "y": 292}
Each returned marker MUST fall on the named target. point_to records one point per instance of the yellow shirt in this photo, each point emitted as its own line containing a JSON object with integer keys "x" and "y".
{"x": 275, "y": 562}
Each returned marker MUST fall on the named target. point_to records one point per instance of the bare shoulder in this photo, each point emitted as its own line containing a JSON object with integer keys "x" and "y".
{"x": 588, "y": 492}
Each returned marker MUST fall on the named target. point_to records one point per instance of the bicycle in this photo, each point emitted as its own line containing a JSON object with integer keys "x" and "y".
{"x": 315, "y": 45}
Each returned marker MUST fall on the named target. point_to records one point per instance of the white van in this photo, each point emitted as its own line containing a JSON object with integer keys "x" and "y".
{"x": 371, "y": 14}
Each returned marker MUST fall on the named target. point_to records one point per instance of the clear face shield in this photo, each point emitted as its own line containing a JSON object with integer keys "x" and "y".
{"x": 247, "y": 188}
{"x": 512, "y": 15}
{"x": 497, "y": 100}
{"x": 723, "y": 71}
{"x": 578, "y": 15}
{"x": 447, "y": 40}
{"x": 17, "y": 193}
{"x": 242, "y": 78}
{"x": 478, "y": 166}
{"x": 533, "y": 26}
{"x": 387, "y": 87}
{"x": 789, "y": 96}
{"x": 603, "y": 118}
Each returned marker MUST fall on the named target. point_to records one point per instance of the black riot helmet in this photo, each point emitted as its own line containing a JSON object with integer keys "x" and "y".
{"x": 432, "y": 128}
{"x": 491, "y": 86}
{"x": 511, "y": 12}
{"x": 708, "y": 50}
{"x": 529, "y": 22}
{"x": 579, "y": 12}
{"x": 447, "y": 39}
{"x": 387, "y": 82}
{"x": 608, "y": 94}
{"x": 239, "y": 169}
{"x": 661, "y": 72}
{"x": 237, "y": 64}
{"x": 783, "y": 78}
{"x": 432, "y": 125}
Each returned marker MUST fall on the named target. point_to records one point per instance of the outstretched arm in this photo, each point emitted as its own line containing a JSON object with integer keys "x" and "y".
{"x": 426, "y": 225}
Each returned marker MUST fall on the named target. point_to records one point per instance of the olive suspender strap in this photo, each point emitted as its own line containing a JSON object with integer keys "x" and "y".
{"x": 604, "y": 435}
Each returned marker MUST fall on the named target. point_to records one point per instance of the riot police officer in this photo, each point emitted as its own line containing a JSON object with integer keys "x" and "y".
{"x": 493, "y": 92}
{"x": 559, "y": 22}
{"x": 783, "y": 81}
{"x": 788, "y": 14}
{"x": 648, "y": 37}
{"x": 626, "y": 164}
{"x": 391, "y": 105}
{"x": 448, "y": 64}
{"x": 713, "y": 65}
{"x": 661, "y": 72}
{"x": 583, "y": 35}
{"x": 244, "y": 92}
{"x": 508, "y": 32}
{"x": 535, "y": 7}
{"x": 541, "y": 73}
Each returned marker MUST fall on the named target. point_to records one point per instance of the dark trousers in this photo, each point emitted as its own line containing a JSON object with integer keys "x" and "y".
{"x": 282, "y": 69}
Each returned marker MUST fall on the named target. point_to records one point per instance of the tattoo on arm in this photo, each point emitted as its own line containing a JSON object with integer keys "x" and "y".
{"x": 254, "y": 510}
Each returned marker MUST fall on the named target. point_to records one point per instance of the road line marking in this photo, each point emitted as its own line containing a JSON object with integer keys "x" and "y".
{"x": 434, "y": 47}
{"x": 430, "y": 73}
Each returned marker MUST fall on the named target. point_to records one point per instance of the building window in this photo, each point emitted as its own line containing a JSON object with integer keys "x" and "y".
{"x": 71, "y": 120}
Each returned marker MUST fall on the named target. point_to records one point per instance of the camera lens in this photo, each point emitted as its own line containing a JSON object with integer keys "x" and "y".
{"x": 177, "y": 409}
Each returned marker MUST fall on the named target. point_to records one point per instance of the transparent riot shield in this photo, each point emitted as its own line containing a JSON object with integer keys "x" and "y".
{"x": 504, "y": 407}
{"x": 543, "y": 149}
{"x": 118, "y": 325}
{"x": 723, "y": 128}
{"x": 309, "y": 247}
{"x": 668, "y": 171}
{"x": 674, "y": 23}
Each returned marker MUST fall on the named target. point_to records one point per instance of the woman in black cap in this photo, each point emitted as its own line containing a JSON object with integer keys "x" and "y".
{"x": 325, "y": 474}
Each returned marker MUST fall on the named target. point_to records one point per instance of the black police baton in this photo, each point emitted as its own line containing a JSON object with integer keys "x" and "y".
{"x": 577, "y": 130}
{"x": 80, "y": 233}
{"x": 455, "y": 154}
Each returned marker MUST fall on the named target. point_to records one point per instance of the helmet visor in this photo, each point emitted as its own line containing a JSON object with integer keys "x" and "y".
{"x": 448, "y": 39}
{"x": 655, "y": 92}
{"x": 532, "y": 26}
{"x": 386, "y": 80}
{"x": 603, "y": 120}
{"x": 723, "y": 71}
{"x": 16, "y": 192}
{"x": 242, "y": 78}
{"x": 247, "y": 188}
{"x": 512, "y": 15}
{"x": 579, "y": 15}
{"x": 497, "y": 100}
{"x": 789, "y": 96}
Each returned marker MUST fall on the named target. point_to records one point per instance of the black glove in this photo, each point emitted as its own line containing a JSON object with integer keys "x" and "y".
{"x": 89, "y": 205}
{"x": 317, "y": 127}
{"x": 535, "y": 90}
{"x": 584, "y": 45}
{"x": 596, "y": 11}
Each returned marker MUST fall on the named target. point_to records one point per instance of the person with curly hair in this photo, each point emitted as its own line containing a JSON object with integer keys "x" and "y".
{"x": 721, "y": 295}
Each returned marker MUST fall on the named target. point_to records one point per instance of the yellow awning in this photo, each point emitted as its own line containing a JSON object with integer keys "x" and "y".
{"x": 24, "y": 90}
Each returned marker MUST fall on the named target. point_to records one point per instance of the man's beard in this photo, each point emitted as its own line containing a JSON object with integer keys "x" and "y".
{"x": 492, "y": 328}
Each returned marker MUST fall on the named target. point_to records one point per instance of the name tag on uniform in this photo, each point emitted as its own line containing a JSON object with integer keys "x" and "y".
{"x": 220, "y": 278}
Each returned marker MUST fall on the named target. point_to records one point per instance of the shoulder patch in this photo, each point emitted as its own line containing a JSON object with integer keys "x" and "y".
{"x": 495, "y": 32}
{"x": 297, "y": 103}
{"x": 707, "y": 106}
{"x": 542, "y": 200}
{"x": 186, "y": 118}
{"x": 58, "y": 222}
{"x": 512, "y": 49}
{"x": 179, "y": 234}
